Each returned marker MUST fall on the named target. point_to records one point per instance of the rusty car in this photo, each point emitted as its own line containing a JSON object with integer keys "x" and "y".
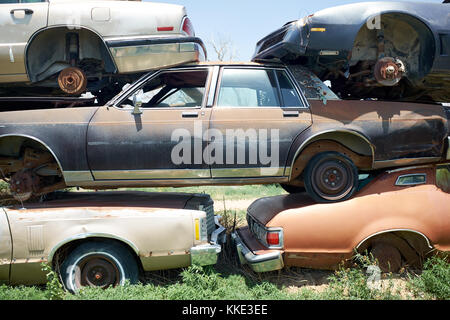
{"x": 54, "y": 47}
{"x": 384, "y": 50}
{"x": 102, "y": 239}
{"x": 399, "y": 218}
{"x": 218, "y": 123}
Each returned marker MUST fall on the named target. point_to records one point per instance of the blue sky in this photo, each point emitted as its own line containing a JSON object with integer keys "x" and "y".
{"x": 245, "y": 22}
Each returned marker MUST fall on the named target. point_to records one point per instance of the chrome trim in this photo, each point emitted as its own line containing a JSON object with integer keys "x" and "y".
{"x": 408, "y": 168}
{"x": 305, "y": 106}
{"x": 179, "y": 182}
{"x": 257, "y": 228}
{"x": 205, "y": 255}
{"x": 151, "y": 174}
{"x": 259, "y": 263}
{"x": 248, "y": 172}
{"x": 306, "y": 142}
{"x": 394, "y": 230}
{"x": 77, "y": 176}
{"x": 404, "y": 162}
{"x": 138, "y": 84}
{"x": 213, "y": 86}
{"x": 218, "y": 233}
{"x": 397, "y": 183}
{"x": 87, "y": 236}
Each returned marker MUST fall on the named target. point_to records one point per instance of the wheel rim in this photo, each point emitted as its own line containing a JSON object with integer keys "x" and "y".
{"x": 97, "y": 271}
{"x": 332, "y": 179}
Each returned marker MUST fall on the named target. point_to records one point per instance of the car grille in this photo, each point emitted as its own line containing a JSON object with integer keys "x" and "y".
{"x": 256, "y": 228}
{"x": 210, "y": 224}
{"x": 277, "y": 38}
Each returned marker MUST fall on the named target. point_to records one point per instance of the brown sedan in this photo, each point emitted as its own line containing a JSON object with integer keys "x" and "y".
{"x": 219, "y": 124}
{"x": 399, "y": 217}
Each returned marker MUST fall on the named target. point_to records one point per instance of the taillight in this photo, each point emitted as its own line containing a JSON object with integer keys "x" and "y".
{"x": 188, "y": 28}
{"x": 273, "y": 238}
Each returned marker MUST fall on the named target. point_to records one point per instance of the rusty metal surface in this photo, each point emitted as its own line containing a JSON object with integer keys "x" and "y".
{"x": 158, "y": 227}
{"x": 92, "y": 145}
{"x": 72, "y": 81}
{"x": 310, "y": 235}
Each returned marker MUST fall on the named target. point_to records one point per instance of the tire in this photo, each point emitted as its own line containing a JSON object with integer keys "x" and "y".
{"x": 292, "y": 189}
{"x": 331, "y": 177}
{"x": 98, "y": 264}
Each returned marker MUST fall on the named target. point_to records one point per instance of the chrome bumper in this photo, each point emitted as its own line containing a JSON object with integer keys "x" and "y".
{"x": 259, "y": 263}
{"x": 207, "y": 254}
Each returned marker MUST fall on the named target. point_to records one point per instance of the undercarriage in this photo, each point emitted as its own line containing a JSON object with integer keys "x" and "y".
{"x": 33, "y": 174}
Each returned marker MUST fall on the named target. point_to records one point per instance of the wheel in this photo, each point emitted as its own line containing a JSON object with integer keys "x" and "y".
{"x": 292, "y": 189}
{"x": 388, "y": 256}
{"x": 331, "y": 176}
{"x": 98, "y": 264}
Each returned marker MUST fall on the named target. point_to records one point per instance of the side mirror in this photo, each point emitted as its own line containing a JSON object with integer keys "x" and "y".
{"x": 137, "y": 106}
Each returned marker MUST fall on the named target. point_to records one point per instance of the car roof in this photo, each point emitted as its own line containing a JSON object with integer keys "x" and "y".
{"x": 235, "y": 63}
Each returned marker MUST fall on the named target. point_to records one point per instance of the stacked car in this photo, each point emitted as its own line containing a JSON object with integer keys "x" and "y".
{"x": 365, "y": 161}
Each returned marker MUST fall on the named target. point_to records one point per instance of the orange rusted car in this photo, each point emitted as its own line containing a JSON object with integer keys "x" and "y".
{"x": 400, "y": 217}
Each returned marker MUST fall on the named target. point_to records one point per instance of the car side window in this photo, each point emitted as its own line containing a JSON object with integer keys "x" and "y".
{"x": 443, "y": 178}
{"x": 288, "y": 92}
{"x": 248, "y": 88}
{"x": 173, "y": 89}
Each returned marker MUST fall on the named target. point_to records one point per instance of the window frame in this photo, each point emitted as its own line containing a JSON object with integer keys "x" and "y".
{"x": 143, "y": 81}
{"x": 303, "y": 100}
{"x": 398, "y": 184}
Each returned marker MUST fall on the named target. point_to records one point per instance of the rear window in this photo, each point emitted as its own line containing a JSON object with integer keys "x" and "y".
{"x": 311, "y": 85}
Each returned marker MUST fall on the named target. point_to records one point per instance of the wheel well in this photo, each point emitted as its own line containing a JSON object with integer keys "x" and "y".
{"x": 43, "y": 61}
{"x": 14, "y": 146}
{"x": 359, "y": 150}
{"x": 58, "y": 257}
{"x": 413, "y": 246}
{"x": 406, "y": 37}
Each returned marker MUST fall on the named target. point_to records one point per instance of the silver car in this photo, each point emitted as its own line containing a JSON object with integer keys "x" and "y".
{"x": 71, "y": 46}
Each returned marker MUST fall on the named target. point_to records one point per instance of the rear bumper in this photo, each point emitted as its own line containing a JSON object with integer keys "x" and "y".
{"x": 264, "y": 261}
{"x": 207, "y": 254}
{"x": 133, "y": 55}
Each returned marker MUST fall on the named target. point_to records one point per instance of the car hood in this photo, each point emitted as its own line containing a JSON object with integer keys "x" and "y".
{"x": 265, "y": 209}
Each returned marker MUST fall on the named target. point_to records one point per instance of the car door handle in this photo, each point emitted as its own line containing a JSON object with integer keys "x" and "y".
{"x": 291, "y": 114}
{"x": 27, "y": 11}
{"x": 189, "y": 114}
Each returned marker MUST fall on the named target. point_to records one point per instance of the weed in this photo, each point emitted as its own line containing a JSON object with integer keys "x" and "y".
{"x": 55, "y": 290}
{"x": 434, "y": 282}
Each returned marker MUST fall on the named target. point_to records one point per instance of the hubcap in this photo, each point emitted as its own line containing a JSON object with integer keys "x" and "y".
{"x": 98, "y": 271}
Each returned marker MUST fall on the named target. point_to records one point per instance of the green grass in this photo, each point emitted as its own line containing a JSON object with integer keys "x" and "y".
{"x": 218, "y": 193}
{"x": 229, "y": 282}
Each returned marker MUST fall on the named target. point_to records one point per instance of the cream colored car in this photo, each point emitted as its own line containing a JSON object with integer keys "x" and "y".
{"x": 104, "y": 238}
{"x": 93, "y": 44}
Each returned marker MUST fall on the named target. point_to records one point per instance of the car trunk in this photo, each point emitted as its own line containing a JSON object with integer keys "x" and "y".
{"x": 263, "y": 210}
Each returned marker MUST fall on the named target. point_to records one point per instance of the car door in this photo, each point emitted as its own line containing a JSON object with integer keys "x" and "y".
{"x": 163, "y": 140}
{"x": 19, "y": 20}
{"x": 5, "y": 247}
{"x": 257, "y": 114}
